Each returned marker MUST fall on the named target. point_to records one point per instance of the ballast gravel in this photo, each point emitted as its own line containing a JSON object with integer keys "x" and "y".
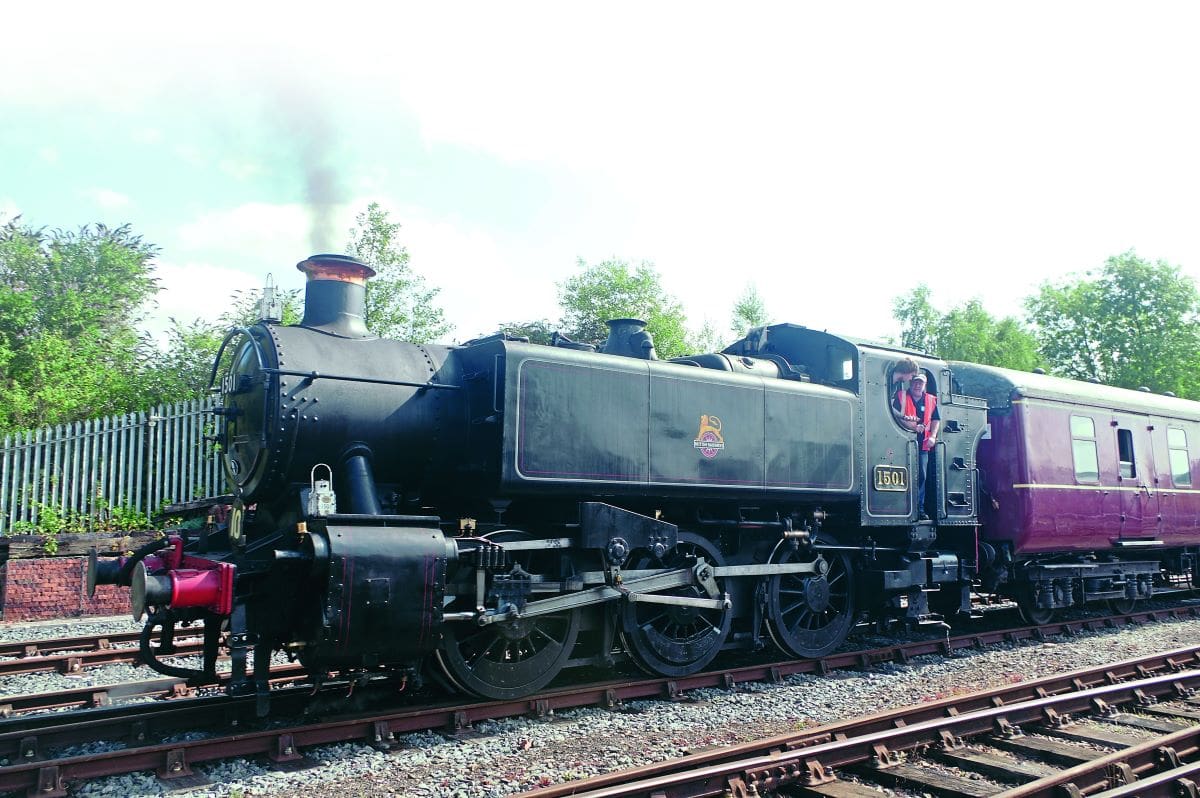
{"x": 96, "y": 676}
{"x": 508, "y": 756}
{"x": 48, "y": 630}
{"x": 50, "y": 681}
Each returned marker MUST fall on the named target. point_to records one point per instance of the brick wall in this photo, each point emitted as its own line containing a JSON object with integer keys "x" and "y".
{"x": 54, "y": 587}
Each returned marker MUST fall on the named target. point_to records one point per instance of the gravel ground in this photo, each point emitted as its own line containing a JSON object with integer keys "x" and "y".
{"x": 503, "y": 757}
{"x": 22, "y": 684}
{"x": 50, "y": 681}
{"x": 75, "y": 627}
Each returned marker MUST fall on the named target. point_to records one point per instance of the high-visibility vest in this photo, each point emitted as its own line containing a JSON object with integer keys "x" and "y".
{"x": 908, "y": 409}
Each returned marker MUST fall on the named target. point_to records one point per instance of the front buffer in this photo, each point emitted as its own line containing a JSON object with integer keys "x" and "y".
{"x": 346, "y": 594}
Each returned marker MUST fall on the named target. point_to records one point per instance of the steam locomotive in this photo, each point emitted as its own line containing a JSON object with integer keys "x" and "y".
{"x": 498, "y": 511}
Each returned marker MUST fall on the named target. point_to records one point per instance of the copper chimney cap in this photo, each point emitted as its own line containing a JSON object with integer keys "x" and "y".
{"x": 342, "y": 268}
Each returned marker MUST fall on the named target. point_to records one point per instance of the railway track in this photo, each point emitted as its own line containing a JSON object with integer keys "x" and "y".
{"x": 51, "y": 656}
{"x": 39, "y": 648}
{"x": 76, "y": 654}
{"x": 96, "y": 696}
{"x": 41, "y": 760}
{"x": 1120, "y": 729}
{"x": 73, "y": 654}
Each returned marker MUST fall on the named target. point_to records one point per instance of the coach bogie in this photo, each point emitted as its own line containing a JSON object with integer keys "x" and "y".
{"x": 1041, "y": 588}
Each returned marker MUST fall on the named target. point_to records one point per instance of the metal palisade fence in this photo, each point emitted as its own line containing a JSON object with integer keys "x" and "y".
{"x": 140, "y": 461}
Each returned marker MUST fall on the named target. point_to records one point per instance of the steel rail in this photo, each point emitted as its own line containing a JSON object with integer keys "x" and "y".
{"x": 81, "y": 652}
{"x": 95, "y": 696}
{"x": 769, "y": 771}
{"x": 1146, "y": 761}
{"x": 38, "y": 648}
{"x": 75, "y": 661}
{"x": 70, "y": 654}
{"x": 797, "y": 756}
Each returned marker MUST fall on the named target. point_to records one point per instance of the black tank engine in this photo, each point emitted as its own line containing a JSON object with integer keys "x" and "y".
{"x": 497, "y": 511}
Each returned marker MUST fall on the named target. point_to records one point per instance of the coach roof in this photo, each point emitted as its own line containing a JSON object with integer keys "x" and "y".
{"x": 1001, "y": 386}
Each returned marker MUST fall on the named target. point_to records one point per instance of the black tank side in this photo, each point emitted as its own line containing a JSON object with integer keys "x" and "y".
{"x": 596, "y": 424}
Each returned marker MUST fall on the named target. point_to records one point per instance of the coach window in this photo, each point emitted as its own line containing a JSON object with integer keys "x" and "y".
{"x": 1125, "y": 453}
{"x": 1083, "y": 447}
{"x": 1181, "y": 464}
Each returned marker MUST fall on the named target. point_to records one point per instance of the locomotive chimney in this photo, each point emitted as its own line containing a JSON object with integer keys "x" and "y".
{"x": 628, "y": 337}
{"x": 336, "y": 294}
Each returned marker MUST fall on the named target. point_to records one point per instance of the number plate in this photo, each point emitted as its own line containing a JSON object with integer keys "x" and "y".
{"x": 890, "y": 477}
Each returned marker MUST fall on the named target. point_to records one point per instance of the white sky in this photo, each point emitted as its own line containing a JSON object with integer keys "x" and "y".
{"x": 833, "y": 154}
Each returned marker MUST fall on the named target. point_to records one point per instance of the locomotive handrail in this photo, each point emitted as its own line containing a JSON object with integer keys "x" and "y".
{"x": 212, "y": 377}
{"x": 316, "y": 375}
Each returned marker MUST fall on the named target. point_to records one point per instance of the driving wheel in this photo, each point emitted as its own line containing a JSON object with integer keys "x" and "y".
{"x": 809, "y": 615}
{"x": 509, "y": 659}
{"x": 672, "y": 639}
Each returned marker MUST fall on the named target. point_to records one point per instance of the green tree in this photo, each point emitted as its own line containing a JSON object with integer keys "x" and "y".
{"x": 70, "y": 302}
{"x": 1134, "y": 324}
{"x": 749, "y": 312}
{"x": 967, "y": 332}
{"x": 538, "y": 332}
{"x": 611, "y": 290}
{"x": 245, "y": 307}
{"x": 707, "y": 339}
{"x": 971, "y": 333}
{"x": 183, "y": 369}
{"x": 918, "y": 319}
{"x": 399, "y": 305}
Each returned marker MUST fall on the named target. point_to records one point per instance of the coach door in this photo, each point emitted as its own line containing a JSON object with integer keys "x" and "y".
{"x": 1172, "y": 472}
{"x": 1136, "y": 477}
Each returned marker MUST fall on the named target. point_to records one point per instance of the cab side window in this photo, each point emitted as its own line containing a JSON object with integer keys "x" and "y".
{"x": 1181, "y": 463}
{"x": 1083, "y": 449}
{"x": 895, "y": 385}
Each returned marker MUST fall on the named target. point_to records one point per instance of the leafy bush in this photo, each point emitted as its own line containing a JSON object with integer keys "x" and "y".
{"x": 103, "y": 518}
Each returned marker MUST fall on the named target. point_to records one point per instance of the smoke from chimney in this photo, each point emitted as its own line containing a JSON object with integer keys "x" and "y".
{"x": 324, "y": 195}
{"x": 307, "y": 126}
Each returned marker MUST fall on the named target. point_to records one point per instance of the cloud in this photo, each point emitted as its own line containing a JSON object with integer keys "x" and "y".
{"x": 240, "y": 169}
{"x": 8, "y": 209}
{"x": 193, "y": 290}
{"x": 107, "y": 198}
{"x": 252, "y": 236}
{"x": 481, "y": 285}
{"x": 217, "y": 252}
{"x": 253, "y": 239}
{"x": 147, "y": 135}
{"x": 837, "y": 156}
